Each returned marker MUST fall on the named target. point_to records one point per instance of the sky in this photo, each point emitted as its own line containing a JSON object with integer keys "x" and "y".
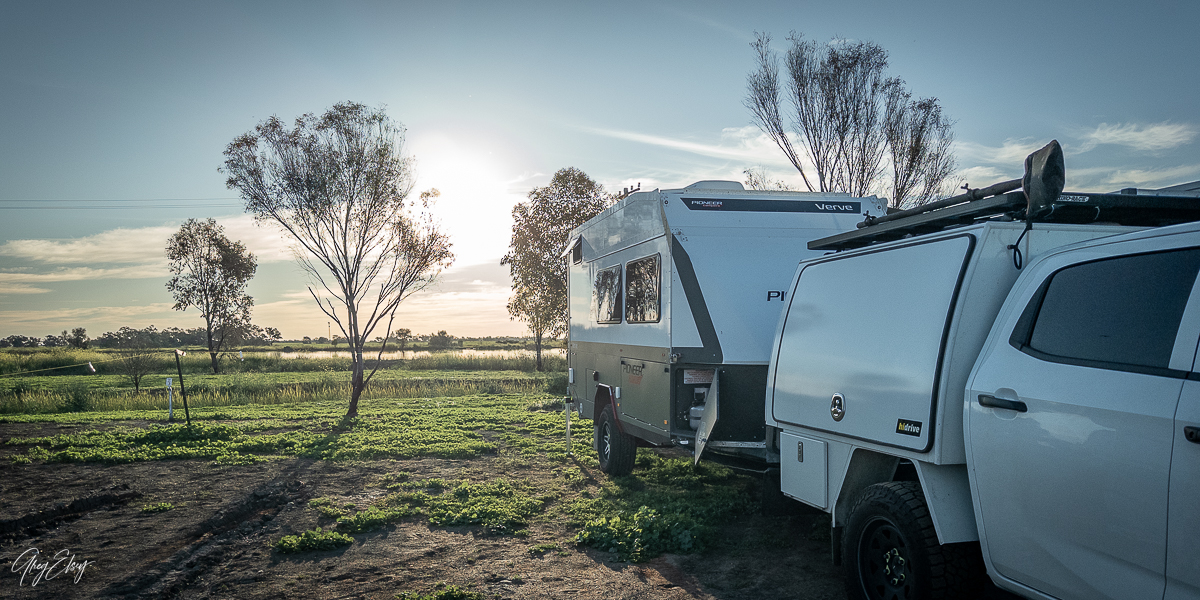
{"x": 114, "y": 117}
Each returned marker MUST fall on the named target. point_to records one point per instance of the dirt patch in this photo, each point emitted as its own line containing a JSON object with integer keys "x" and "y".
{"x": 216, "y": 540}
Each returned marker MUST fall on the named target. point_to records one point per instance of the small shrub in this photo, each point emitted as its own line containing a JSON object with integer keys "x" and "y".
{"x": 540, "y": 549}
{"x": 642, "y": 535}
{"x": 452, "y": 592}
{"x": 371, "y": 519}
{"x": 313, "y": 540}
{"x": 157, "y": 508}
{"x": 76, "y": 397}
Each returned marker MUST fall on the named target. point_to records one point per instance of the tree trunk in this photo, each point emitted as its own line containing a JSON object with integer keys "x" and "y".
{"x": 356, "y": 385}
{"x": 537, "y": 348}
{"x": 216, "y": 362}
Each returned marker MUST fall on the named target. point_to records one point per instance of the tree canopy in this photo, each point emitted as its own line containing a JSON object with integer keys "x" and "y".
{"x": 540, "y": 229}
{"x": 857, "y": 127}
{"x": 211, "y": 274}
{"x": 339, "y": 184}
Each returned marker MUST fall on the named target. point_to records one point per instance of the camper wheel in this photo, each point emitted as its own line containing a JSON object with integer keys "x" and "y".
{"x": 616, "y": 449}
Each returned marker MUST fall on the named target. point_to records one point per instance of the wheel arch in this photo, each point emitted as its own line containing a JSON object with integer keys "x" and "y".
{"x": 946, "y": 489}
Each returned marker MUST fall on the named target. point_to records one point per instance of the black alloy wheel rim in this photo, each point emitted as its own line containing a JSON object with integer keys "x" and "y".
{"x": 884, "y": 563}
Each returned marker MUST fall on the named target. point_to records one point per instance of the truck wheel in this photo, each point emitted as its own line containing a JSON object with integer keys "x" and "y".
{"x": 617, "y": 450}
{"x": 891, "y": 550}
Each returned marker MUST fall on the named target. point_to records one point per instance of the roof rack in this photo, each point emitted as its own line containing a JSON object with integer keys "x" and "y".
{"x": 1040, "y": 200}
{"x": 1072, "y": 207}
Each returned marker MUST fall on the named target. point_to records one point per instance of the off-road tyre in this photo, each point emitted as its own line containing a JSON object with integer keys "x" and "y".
{"x": 615, "y": 449}
{"x": 891, "y": 551}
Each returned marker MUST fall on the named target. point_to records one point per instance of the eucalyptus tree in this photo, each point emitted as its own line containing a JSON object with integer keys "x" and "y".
{"x": 211, "y": 273}
{"x": 857, "y": 127}
{"x": 540, "y": 229}
{"x": 339, "y": 185}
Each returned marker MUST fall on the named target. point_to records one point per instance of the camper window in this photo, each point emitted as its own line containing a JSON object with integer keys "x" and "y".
{"x": 641, "y": 290}
{"x": 606, "y": 296}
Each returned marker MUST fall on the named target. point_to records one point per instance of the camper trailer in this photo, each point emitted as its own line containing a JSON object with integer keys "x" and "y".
{"x": 674, "y": 300}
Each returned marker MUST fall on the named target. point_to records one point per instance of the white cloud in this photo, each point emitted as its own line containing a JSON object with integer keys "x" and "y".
{"x": 20, "y": 288}
{"x": 1008, "y": 156}
{"x": 1104, "y": 179}
{"x": 139, "y": 245}
{"x": 145, "y": 271}
{"x": 749, "y": 144}
{"x": 143, "y": 245}
{"x": 1146, "y": 138}
{"x": 97, "y": 319}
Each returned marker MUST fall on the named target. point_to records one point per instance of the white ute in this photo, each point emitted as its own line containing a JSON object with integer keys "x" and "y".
{"x": 1008, "y": 382}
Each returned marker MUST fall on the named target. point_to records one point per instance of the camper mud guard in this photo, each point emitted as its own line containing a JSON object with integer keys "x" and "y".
{"x": 603, "y": 399}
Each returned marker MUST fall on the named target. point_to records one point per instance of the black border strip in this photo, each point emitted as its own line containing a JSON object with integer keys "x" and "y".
{"x": 711, "y": 351}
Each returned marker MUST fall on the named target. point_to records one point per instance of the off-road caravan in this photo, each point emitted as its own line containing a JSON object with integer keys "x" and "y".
{"x": 674, "y": 300}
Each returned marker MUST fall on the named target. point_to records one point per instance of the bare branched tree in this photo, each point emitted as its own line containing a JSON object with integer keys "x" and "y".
{"x": 757, "y": 178}
{"x": 842, "y": 106}
{"x": 338, "y": 184}
{"x": 919, "y": 138}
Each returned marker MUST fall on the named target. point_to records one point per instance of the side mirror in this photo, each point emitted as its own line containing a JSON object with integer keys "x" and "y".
{"x": 1045, "y": 175}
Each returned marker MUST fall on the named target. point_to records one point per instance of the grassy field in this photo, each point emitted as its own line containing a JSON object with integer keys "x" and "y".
{"x": 666, "y": 506}
{"x": 448, "y": 405}
{"x": 51, "y": 382}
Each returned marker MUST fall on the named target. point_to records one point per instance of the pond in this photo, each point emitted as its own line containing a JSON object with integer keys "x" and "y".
{"x": 410, "y": 354}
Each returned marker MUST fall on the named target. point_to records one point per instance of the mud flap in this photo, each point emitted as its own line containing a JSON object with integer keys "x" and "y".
{"x": 709, "y": 419}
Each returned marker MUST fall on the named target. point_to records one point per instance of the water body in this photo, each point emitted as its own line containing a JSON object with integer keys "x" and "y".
{"x": 410, "y": 354}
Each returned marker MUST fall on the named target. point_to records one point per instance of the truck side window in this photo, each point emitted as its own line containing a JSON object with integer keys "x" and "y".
{"x": 642, "y": 290}
{"x": 1111, "y": 313}
{"x": 606, "y": 296}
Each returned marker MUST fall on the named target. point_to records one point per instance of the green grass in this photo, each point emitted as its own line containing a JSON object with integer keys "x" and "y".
{"x": 314, "y": 540}
{"x": 666, "y": 505}
{"x": 443, "y": 592}
{"x": 395, "y": 428}
{"x": 157, "y": 508}
{"x": 47, "y": 394}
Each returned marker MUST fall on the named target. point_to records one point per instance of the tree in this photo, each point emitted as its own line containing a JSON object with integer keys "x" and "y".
{"x": 402, "y": 335}
{"x": 339, "y": 185}
{"x": 440, "y": 340}
{"x": 211, "y": 273}
{"x": 78, "y": 338}
{"x": 540, "y": 229}
{"x": 848, "y": 117}
{"x": 135, "y": 359}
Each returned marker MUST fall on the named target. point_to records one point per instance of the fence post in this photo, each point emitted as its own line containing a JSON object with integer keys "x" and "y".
{"x": 182, "y": 390}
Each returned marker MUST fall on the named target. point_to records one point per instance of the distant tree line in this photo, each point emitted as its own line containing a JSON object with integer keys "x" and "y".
{"x": 150, "y": 337}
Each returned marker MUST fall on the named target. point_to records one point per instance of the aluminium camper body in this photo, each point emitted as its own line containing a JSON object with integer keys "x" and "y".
{"x": 674, "y": 300}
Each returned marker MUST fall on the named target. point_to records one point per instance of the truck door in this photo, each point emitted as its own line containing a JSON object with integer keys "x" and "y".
{"x": 1070, "y": 417}
{"x": 1183, "y": 511}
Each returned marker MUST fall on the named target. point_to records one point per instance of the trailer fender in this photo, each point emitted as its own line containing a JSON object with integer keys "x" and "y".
{"x": 604, "y": 398}
{"x": 948, "y": 495}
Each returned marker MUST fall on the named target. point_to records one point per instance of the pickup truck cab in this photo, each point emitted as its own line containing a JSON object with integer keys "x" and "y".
{"x": 1082, "y": 423}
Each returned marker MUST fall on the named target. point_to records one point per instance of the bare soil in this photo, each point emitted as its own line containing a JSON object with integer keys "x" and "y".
{"x": 216, "y": 542}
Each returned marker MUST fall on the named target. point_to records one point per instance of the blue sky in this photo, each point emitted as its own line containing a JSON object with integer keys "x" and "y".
{"x": 113, "y": 117}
